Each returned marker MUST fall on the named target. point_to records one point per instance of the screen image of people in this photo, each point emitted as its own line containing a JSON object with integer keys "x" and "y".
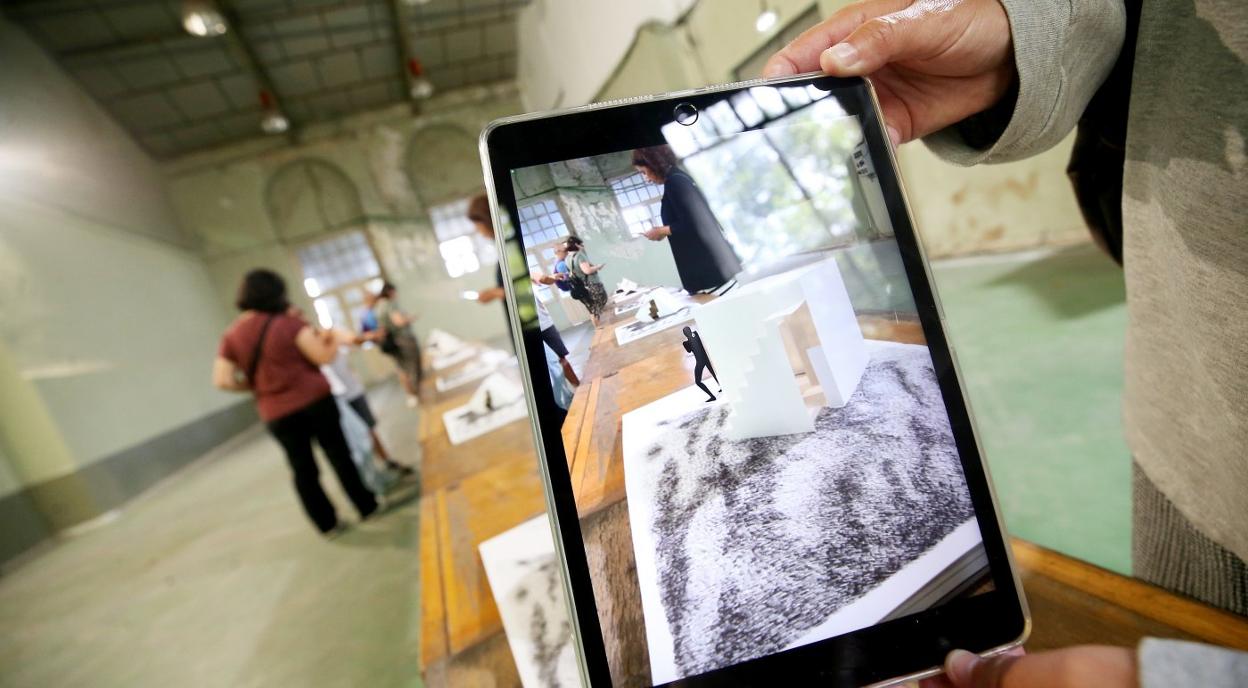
{"x": 758, "y": 447}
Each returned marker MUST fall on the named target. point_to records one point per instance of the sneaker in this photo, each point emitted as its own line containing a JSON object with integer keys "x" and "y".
{"x": 336, "y": 532}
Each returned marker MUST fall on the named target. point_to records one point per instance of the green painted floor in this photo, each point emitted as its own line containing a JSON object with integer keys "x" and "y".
{"x": 215, "y": 578}
{"x": 1039, "y": 338}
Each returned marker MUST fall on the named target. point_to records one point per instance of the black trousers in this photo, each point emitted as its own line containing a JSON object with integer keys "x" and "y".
{"x": 295, "y": 432}
{"x": 697, "y": 377}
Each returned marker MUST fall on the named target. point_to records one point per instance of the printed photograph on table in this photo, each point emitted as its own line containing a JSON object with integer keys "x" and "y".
{"x": 759, "y": 447}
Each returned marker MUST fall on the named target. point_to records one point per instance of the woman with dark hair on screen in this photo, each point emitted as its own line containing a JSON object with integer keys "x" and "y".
{"x": 586, "y": 284}
{"x": 704, "y": 258}
{"x": 274, "y": 354}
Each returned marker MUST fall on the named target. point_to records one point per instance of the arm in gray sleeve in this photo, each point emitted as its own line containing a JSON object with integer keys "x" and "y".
{"x": 1165, "y": 663}
{"x": 1063, "y": 50}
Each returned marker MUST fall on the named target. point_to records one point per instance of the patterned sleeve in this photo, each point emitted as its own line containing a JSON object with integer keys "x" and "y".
{"x": 1063, "y": 52}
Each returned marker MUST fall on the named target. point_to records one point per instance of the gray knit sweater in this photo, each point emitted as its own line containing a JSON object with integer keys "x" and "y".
{"x": 1185, "y": 210}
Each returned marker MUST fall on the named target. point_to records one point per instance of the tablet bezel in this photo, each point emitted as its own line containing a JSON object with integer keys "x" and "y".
{"x": 990, "y": 622}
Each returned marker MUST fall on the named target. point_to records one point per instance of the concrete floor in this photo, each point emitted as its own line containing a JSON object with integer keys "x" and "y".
{"x": 216, "y": 579}
{"x": 1039, "y": 337}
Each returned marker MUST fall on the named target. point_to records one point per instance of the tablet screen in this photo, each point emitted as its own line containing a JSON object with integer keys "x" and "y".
{"x": 759, "y": 448}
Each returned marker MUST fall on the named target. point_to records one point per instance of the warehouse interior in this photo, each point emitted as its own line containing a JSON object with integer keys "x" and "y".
{"x": 150, "y": 534}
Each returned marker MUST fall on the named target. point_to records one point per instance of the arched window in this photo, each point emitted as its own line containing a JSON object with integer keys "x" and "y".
{"x": 310, "y": 197}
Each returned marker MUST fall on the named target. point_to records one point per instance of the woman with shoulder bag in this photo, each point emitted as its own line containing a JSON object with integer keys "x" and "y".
{"x": 273, "y": 353}
{"x": 583, "y": 275}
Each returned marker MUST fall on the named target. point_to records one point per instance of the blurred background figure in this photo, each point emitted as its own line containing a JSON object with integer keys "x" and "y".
{"x": 395, "y": 337}
{"x": 704, "y": 258}
{"x": 273, "y": 354}
{"x": 479, "y": 214}
{"x": 587, "y": 285}
{"x": 346, "y": 385}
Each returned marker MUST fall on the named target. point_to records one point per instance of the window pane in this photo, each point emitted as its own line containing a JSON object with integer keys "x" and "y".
{"x": 334, "y": 262}
{"x": 459, "y": 255}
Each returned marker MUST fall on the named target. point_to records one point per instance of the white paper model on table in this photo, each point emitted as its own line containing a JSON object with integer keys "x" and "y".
{"x": 745, "y": 335}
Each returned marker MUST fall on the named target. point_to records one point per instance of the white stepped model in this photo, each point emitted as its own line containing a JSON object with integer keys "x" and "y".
{"x": 745, "y": 336}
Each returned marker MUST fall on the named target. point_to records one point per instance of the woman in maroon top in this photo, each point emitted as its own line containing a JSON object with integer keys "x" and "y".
{"x": 275, "y": 355}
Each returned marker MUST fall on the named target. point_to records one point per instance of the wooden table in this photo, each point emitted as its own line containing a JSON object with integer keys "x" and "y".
{"x": 488, "y": 485}
{"x": 469, "y": 493}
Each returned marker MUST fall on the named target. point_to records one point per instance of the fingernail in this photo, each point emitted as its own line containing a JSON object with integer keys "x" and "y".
{"x": 843, "y": 55}
{"x": 958, "y": 665}
{"x": 894, "y": 136}
{"x": 775, "y": 69}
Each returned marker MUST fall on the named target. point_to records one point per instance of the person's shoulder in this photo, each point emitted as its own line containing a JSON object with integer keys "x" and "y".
{"x": 240, "y": 325}
{"x": 679, "y": 177}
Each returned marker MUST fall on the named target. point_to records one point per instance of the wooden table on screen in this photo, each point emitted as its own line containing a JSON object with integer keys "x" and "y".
{"x": 619, "y": 379}
{"x": 489, "y": 485}
{"x": 470, "y": 492}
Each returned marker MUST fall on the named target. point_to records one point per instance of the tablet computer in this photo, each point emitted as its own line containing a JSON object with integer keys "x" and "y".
{"x": 768, "y": 469}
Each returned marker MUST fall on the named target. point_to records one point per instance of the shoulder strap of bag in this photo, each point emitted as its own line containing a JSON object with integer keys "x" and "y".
{"x": 255, "y": 355}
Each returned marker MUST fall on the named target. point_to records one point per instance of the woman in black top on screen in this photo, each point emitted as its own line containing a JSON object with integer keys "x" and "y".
{"x": 704, "y": 258}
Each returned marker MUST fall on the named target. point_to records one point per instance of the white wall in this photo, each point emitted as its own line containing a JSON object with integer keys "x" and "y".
{"x": 105, "y": 307}
{"x": 958, "y": 210}
{"x": 398, "y": 173}
{"x": 568, "y": 48}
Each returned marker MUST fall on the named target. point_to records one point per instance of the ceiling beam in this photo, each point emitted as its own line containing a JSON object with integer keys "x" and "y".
{"x": 93, "y": 51}
{"x": 241, "y": 48}
{"x": 402, "y": 47}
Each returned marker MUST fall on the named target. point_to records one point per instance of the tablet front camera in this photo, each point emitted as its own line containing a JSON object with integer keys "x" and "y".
{"x": 686, "y": 113}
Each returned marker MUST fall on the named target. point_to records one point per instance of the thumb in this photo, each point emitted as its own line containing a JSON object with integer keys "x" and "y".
{"x": 879, "y": 41}
{"x": 965, "y": 670}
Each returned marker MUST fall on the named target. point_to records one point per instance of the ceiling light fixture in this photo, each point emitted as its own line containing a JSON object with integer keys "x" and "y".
{"x": 766, "y": 18}
{"x": 272, "y": 121}
{"x": 420, "y": 86}
{"x": 203, "y": 18}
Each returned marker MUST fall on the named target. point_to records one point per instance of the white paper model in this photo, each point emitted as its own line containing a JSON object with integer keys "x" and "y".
{"x": 498, "y": 401}
{"x": 656, "y": 304}
{"x": 489, "y": 361}
{"x": 444, "y": 361}
{"x": 494, "y": 393}
{"x": 754, "y": 334}
{"x": 524, "y": 577}
{"x": 442, "y": 343}
{"x": 632, "y": 331}
{"x": 722, "y": 529}
{"x": 626, "y": 286}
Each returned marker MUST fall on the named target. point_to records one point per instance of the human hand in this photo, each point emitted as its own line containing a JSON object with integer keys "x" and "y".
{"x": 933, "y": 62}
{"x": 1081, "y": 666}
{"x": 655, "y": 233}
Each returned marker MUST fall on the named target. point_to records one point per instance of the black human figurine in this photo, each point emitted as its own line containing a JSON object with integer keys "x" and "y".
{"x": 693, "y": 344}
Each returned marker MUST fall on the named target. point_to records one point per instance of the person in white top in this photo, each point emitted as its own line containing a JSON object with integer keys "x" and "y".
{"x": 479, "y": 214}
{"x": 344, "y": 384}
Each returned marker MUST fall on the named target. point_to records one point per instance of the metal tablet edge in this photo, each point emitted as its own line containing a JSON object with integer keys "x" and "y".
{"x": 527, "y": 380}
{"x": 970, "y": 412}
{"x": 518, "y": 344}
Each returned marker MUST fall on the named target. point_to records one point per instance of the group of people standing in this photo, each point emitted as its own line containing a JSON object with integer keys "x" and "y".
{"x": 295, "y": 370}
{"x": 705, "y": 260}
{"x": 305, "y": 390}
